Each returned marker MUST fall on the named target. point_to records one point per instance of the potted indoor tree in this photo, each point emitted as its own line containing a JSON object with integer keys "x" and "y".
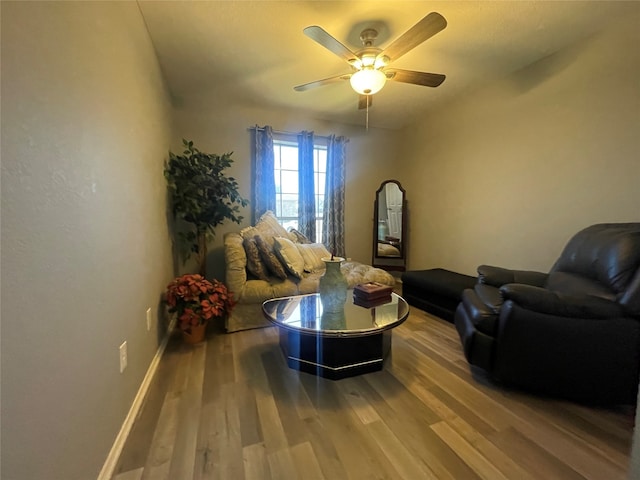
{"x": 202, "y": 197}
{"x": 196, "y": 300}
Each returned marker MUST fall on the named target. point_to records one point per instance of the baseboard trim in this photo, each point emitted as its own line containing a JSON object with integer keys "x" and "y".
{"x": 112, "y": 459}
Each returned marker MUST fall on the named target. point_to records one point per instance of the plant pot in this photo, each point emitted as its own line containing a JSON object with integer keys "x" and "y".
{"x": 195, "y": 334}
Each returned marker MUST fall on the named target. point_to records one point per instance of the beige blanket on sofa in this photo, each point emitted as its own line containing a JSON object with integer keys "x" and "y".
{"x": 250, "y": 292}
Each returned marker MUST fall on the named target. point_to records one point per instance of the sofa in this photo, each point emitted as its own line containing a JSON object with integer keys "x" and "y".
{"x": 267, "y": 261}
{"x": 573, "y": 332}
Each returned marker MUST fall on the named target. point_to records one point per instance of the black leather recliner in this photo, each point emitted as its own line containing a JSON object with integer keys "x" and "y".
{"x": 573, "y": 332}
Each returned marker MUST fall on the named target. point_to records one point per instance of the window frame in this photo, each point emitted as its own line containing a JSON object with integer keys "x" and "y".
{"x": 319, "y": 173}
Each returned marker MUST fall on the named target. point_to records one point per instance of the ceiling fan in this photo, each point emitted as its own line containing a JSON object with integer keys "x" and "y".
{"x": 370, "y": 65}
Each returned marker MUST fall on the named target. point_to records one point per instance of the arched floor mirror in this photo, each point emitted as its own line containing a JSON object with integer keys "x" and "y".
{"x": 389, "y": 227}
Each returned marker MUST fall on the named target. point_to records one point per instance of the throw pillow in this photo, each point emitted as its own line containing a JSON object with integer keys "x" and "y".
{"x": 269, "y": 228}
{"x": 298, "y": 237}
{"x": 269, "y": 258}
{"x": 312, "y": 254}
{"x": 249, "y": 232}
{"x": 254, "y": 262}
{"x": 289, "y": 255}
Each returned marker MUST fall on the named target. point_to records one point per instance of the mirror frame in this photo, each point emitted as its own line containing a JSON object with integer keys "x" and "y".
{"x": 390, "y": 263}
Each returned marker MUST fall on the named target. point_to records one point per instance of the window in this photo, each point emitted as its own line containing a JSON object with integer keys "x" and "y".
{"x": 285, "y": 155}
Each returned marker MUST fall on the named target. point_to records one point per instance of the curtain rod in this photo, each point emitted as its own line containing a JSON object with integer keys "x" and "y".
{"x": 280, "y": 132}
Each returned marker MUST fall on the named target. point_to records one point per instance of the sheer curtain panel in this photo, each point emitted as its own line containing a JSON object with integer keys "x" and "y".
{"x": 306, "y": 188}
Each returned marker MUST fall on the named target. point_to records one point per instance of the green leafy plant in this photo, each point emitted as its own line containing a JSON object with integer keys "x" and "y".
{"x": 202, "y": 196}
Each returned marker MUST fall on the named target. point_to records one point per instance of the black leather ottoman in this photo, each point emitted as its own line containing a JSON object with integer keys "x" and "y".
{"x": 437, "y": 291}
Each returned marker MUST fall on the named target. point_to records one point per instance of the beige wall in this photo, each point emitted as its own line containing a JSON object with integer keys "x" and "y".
{"x": 507, "y": 174}
{"x": 85, "y": 248}
{"x": 371, "y": 158}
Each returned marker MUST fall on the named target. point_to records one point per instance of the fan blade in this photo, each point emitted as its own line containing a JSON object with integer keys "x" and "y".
{"x": 318, "y": 34}
{"x": 364, "y": 100}
{"x": 417, "y": 78}
{"x": 319, "y": 83}
{"x": 421, "y": 31}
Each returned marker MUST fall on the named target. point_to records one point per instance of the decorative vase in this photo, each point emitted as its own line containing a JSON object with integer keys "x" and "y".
{"x": 195, "y": 334}
{"x": 333, "y": 320}
{"x": 333, "y": 286}
{"x": 383, "y": 229}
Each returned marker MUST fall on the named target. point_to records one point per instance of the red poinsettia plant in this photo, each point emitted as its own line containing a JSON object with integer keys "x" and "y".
{"x": 197, "y": 300}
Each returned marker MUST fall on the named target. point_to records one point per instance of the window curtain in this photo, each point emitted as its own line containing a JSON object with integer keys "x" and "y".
{"x": 309, "y": 312}
{"x": 306, "y": 189}
{"x": 264, "y": 184}
{"x": 333, "y": 215}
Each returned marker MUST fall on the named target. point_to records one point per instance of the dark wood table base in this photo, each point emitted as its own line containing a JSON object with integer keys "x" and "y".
{"x": 335, "y": 357}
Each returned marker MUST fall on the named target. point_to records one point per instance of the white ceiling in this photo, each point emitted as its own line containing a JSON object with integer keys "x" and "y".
{"x": 216, "y": 53}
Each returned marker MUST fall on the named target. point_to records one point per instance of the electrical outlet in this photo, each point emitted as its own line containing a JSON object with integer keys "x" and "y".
{"x": 148, "y": 319}
{"x": 123, "y": 356}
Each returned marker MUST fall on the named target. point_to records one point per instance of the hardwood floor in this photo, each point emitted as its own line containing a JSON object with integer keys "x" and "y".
{"x": 230, "y": 408}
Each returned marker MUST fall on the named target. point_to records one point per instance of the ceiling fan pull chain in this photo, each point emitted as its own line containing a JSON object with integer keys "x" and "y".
{"x": 367, "y": 121}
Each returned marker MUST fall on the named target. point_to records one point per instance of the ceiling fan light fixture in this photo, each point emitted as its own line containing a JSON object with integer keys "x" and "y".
{"x": 368, "y": 59}
{"x": 368, "y": 81}
{"x": 381, "y": 61}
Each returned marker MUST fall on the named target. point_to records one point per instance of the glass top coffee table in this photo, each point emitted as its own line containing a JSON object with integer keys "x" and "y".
{"x": 339, "y": 343}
